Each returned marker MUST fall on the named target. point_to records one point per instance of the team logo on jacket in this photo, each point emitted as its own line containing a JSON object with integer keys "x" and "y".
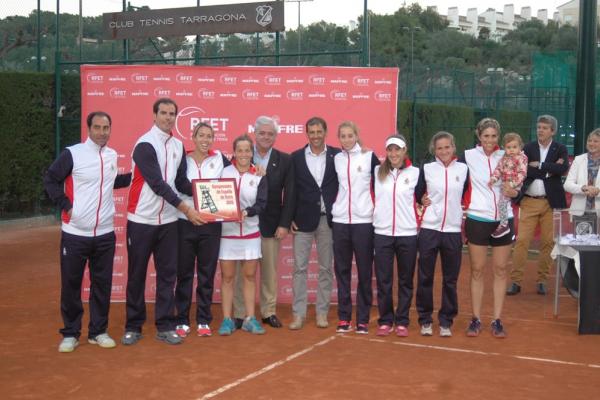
{"x": 359, "y": 169}
{"x": 211, "y": 165}
{"x": 457, "y": 179}
{"x": 406, "y": 181}
{"x": 252, "y": 182}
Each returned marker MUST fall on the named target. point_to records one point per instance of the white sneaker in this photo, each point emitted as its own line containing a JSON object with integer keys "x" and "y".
{"x": 103, "y": 340}
{"x": 68, "y": 344}
{"x": 182, "y": 330}
{"x": 426, "y": 330}
{"x": 445, "y": 331}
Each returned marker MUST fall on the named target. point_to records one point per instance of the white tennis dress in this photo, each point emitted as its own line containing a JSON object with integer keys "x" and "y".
{"x": 241, "y": 240}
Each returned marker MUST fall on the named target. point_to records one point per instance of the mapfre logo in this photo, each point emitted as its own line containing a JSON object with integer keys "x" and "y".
{"x": 272, "y": 80}
{"x": 117, "y": 93}
{"x": 250, "y": 94}
{"x": 383, "y": 96}
{"x": 139, "y": 78}
{"x": 338, "y": 95}
{"x": 295, "y": 95}
{"x": 228, "y": 79}
{"x": 206, "y": 94}
{"x": 160, "y": 92}
{"x": 183, "y": 78}
{"x": 360, "y": 81}
{"x": 95, "y": 78}
{"x": 317, "y": 80}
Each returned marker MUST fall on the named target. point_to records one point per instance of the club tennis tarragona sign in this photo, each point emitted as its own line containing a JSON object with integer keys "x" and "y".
{"x": 230, "y": 99}
{"x": 233, "y": 18}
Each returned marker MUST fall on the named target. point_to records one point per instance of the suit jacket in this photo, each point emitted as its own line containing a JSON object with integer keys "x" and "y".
{"x": 551, "y": 172}
{"x": 280, "y": 198}
{"x": 308, "y": 193}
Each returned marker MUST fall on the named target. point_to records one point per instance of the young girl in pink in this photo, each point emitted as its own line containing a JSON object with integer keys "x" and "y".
{"x": 511, "y": 169}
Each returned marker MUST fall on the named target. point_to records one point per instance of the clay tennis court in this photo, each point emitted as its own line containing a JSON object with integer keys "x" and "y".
{"x": 542, "y": 358}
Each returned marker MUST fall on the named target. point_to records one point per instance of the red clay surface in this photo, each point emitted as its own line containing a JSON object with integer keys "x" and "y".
{"x": 542, "y": 358}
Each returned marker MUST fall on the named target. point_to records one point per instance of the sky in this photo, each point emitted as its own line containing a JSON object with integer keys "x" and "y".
{"x": 340, "y": 12}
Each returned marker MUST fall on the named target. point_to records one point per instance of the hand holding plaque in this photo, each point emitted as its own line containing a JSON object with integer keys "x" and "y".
{"x": 216, "y": 199}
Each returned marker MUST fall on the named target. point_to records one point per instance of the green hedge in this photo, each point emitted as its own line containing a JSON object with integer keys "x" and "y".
{"x": 27, "y": 138}
{"x": 420, "y": 121}
{"x": 420, "y": 124}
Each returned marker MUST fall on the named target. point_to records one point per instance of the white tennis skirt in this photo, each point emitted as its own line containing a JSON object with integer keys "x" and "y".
{"x": 240, "y": 249}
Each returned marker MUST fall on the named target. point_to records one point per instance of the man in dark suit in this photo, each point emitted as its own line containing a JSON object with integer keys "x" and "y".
{"x": 316, "y": 189}
{"x": 542, "y": 192}
{"x": 275, "y": 221}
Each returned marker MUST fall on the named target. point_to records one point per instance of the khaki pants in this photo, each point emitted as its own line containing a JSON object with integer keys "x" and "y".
{"x": 531, "y": 213}
{"x": 268, "y": 281}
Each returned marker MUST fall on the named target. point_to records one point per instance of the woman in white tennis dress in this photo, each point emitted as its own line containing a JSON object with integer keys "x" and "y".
{"x": 240, "y": 241}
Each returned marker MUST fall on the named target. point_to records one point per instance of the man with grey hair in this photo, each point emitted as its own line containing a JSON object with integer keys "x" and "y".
{"x": 542, "y": 191}
{"x": 275, "y": 221}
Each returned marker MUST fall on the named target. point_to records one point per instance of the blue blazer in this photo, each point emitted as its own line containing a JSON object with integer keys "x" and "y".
{"x": 308, "y": 194}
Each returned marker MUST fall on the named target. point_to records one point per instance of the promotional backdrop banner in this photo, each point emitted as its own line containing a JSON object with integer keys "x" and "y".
{"x": 230, "y": 99}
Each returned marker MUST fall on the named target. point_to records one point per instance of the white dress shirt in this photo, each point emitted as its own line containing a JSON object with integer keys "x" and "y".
{"x": 537, "y": 186}
{"x": 316, "y": 165}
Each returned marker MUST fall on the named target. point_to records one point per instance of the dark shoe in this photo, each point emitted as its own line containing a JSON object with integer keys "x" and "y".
{"x": 169, "y": 337}
{"x": 498, "y": 330}
{"x": 541, "y": 289}
{"x": 474, "y": 327}
{"x": 501, "y": 230}
{"x": 273, "y": 321}
{"x": 513, "y": 289}
{"x": 238, "y": 322}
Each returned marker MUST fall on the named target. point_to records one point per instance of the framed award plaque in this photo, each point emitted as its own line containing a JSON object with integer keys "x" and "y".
{"x": 216, "y": 199}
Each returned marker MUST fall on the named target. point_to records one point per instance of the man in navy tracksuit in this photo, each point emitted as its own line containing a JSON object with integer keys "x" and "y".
{"x": 159, "y": 168}
{"x": 81, "y": 181}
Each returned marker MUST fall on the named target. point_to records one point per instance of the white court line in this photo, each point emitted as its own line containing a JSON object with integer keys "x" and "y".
{"x": 264, "y": 370}
{"x": 483, "y": 353}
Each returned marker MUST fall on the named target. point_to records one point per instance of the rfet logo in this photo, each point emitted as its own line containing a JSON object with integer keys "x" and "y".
{"x": 250, "y": 94}
{"x": 206, "y": 94}
{"x": 316, "y": 80}
{"x": 183, "y": 78}
{"x": 187, "y": 119}
{"x": 272, "y": 80}
{"x": 161, "y": 92}
{"x": 139, "y": 78}
{"x": 295, "y": 95}
{"x": 117, "y": 93}
{"x": 190, "y": 116}
{"x": 338, "y": 95}
{"x": 226, "y": 79}
{"x": 360, "y": 81}
{"x": 383, "y": 96}
{"x": 95, "y": 78}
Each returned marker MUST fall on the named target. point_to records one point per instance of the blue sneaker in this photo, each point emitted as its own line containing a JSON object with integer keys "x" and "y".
{"x": 227, "y": 327}
{"x": 253, "y": 326}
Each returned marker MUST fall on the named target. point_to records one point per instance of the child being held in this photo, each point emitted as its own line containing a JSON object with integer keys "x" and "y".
{"x": 511, "y": 169}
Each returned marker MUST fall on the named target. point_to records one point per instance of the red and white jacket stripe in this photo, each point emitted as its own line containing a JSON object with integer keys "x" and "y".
{"x": 210, "y": 168}
{"x": 159, "y": 170}
{"x": 82, "y": 180}
{"x": 482, "y": 201}
{"x": 354, "y": 201}
{"x": 395, "y": 207}
{"x": 445, "y": 186}
{"x": 252, "y": 195}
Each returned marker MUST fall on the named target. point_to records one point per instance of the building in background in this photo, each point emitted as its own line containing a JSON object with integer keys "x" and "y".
{"x": 568, "y": 13}
{"x": 496, "y": 23}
